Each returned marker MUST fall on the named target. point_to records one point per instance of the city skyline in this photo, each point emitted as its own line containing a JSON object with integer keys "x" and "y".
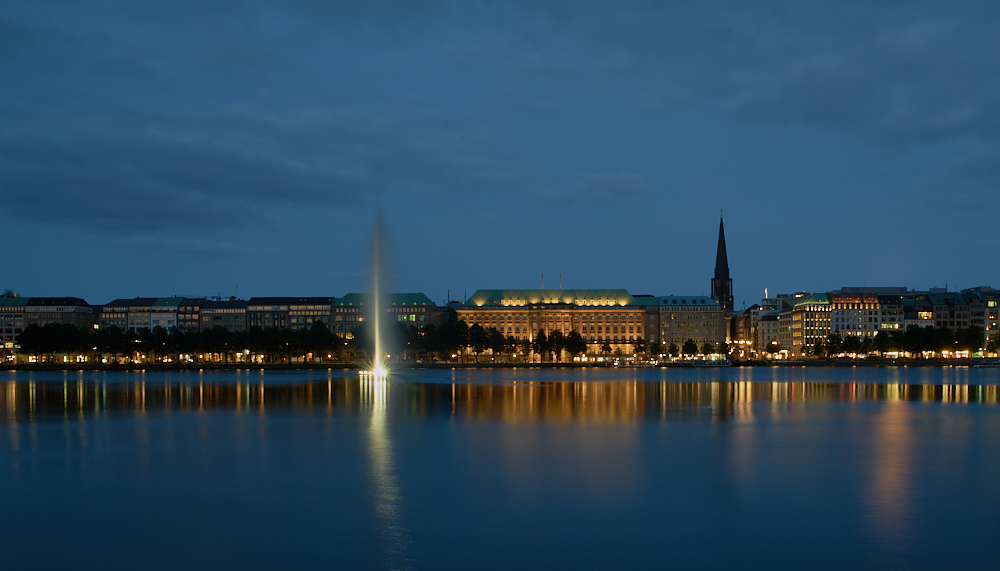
{"x": 191, "y": 150}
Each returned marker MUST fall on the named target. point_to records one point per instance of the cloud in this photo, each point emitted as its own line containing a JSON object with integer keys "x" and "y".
{"x": 185, "y": 246}
{"x": 969, "y": 184}
{"x": 143, "y": 117}
{"x": 611, "y": 187}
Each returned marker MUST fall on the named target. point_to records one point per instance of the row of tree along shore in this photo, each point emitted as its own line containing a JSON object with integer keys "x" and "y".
{"x": 451, "y": 342}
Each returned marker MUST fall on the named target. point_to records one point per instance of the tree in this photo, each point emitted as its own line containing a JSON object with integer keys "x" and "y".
{"x": 524, "y": 346}
{"x": 819, "y": 349}
{"x": 851, "y": 344}
{"x": 606, "y": 348}
{"x": 970, "y": 339}
{"x": 690, "y": 348}
{"x": 707, "y": 349}
{"x": 835, "y": 343}
{"x": 478, "y": 340}
{"x": 557, "y": 342}
{"x": 541, "y": 345}
{"x": 993, "y": 346}
{"x": 673, "y": 350}
{"x": 496, "y": 342}
{"x": 453, "y": 337}
{"x": 575, "y": 344}
{"x": 773, "y": 347}
{"x": 639, "y": 344}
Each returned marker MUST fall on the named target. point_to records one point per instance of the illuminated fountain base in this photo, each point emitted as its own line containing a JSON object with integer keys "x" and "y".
{"x": 378, "y": 374}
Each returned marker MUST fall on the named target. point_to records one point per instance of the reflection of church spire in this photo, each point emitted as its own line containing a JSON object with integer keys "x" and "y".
{"x": 722, "y": 285}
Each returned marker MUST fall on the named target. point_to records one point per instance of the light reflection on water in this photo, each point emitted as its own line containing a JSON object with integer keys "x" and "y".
{"x": 857, "y": 468}
{"x": 555, "y": 401}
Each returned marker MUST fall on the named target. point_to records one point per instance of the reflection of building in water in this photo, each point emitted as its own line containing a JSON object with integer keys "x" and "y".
{"x": 595, "y": 401}
{"x": 615, "y": 401}
{"x": 888, "y": 488}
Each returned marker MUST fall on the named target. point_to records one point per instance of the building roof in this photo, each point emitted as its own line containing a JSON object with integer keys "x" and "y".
{"x": 291, "y": 301}
{"x": 516, "y": 297}
{"x": 950, "y": 298}
{"x": 56, "y": 301}
{"x": 227, "y": 304}
{"x": 167, "y": 302}
{"x": 876, "y": 290}
{"x": 392, "y": 299}
{"x": 14, "y": 301}
{"x": 134, "y": 302}
{"x": 683, "y": 300}
{"x": 811, "y": 299}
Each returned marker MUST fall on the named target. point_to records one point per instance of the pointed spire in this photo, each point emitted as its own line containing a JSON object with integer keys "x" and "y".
{"x": 722, "y": 285}
{"x": 721, "y": 260}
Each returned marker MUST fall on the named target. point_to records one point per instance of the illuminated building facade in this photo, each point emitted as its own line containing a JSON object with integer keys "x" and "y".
{"x": 855, "y": 314}
{"x": 951, "y": 310}
{"x": 411, "y": 309}
{"x": 977, "y": 308}
{"x": 767, "y": 331}
{"x": 917, "y": 311}
{"x": 163, "y": 312}
{"x": 11, "y": 319}
{"x": 699, "y": 318}
{"x": 613, "y": 317}
{"x": 809, "y": 322}
{"x": 128, "y": 314}
{"x": 230, "y": 314}
{"x": 290, "y": 312}
{"x": 600, "y": 316}
{"x": 189, "y": 314}
{"x": 991, "y": 310}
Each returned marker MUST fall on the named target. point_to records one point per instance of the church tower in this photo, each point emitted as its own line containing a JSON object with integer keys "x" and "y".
{"x": 722, "y": 284}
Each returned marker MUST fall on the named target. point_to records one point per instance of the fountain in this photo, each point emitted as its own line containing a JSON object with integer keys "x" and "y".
{"x": 374, "y": 392}
{"x": 378, "y": 279}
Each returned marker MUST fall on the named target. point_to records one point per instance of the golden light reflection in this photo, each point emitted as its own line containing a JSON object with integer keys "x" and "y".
{"x": 374, "y": 393}
{"x": 888, "y": 489}
{"x": 528, "y": 401}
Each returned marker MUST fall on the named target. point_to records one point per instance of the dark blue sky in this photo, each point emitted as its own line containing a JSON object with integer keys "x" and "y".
{"x": 173, "y": 148}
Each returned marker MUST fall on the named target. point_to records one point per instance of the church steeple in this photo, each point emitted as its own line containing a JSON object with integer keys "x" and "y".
{"x": 722, "y": 285}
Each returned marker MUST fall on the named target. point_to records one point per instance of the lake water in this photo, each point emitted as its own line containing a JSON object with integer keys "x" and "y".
{"x": 739, "y": 468}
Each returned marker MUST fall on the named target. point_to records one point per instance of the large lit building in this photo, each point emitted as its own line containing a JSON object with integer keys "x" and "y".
{"x": 290, "y": 312}
{"x": 610, "y": 317}
{"x": 855, "y": 314}
{"x": 70, "y": 310}
{"x": 697, "y": 318}
{"x": 809, "y": 322}
{"x": 768, "y": 332}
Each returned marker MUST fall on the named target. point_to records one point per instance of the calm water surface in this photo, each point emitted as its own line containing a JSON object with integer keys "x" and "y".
{"x": 790, "y": 468}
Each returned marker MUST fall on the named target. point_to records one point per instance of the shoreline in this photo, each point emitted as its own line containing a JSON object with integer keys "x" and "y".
{"x": 418, "y": 366}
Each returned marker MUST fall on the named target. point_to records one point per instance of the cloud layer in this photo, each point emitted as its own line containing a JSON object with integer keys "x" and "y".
{"x": 143, "y": 122}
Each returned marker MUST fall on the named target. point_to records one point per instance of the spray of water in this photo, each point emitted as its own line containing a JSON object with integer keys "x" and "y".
{"x": 378, "y": 289}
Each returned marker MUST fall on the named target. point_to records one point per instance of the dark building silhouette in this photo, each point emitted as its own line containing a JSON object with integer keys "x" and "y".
{"x": 722, "y": 284}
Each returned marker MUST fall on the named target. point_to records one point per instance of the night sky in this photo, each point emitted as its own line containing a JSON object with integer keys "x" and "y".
{"x": 174, "y": 148}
